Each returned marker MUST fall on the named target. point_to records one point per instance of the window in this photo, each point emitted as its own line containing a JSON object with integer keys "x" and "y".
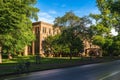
{"x": 37, "y": 30}
{"x": 49, "y": 31}
{"x": 44, "y": 29}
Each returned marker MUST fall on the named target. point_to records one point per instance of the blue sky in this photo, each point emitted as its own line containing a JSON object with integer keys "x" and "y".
{"x": 50, "y": 9}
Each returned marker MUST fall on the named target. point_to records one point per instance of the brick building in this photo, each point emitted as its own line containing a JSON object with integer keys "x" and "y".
{"x": 89, "y": 47}
{"x": 41, "y": 31}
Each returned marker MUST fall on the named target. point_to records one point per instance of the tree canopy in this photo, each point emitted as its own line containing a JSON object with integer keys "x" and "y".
{"x": 110, "y": 12}
{"x": 69, "y": 41}
{"x": 108, "y": 19}
{"x": 15, "y": 23}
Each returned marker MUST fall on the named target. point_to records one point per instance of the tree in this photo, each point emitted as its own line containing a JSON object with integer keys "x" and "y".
{"x": 73, "y": 27}
{"x": 68, "y": 20}
{"x": 15, "y": 23}
{"x": 115, "y": 6}
{"x": 107, "y": 47}
{"x": 54, "y": 44}
{"x": 110, "y": 13}
{"x": 115, "y": 47}
{"x": 49, "y": 43}
{"x": 99, "y": 40}
{"x": 73, "y": 41}
{"x": 107, "y": 19}
{"x": 80, "y": 25}
{"x": 115, "y": 12}
{"x": 65, "y": 43}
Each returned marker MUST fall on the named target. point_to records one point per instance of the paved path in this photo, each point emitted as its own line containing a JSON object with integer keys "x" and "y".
{"x": 100, "y": 71}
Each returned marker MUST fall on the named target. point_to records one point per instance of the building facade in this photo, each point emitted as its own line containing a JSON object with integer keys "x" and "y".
{"x": 90, "y": 49}
{"x": 41, "y": 31}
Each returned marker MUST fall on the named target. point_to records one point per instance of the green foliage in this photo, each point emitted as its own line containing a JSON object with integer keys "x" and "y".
{"x": 73, "y": 41}
{"x": 110, "y": 13}
{"x": 115, "y": 7}
{"x": 74, "y": 29}
{"x": 115, "y": 47}
{"x": 15, "y": 24}
{"x": 107, "y": 47}
{"x": 97, "y": 17}
{"x": 98, "y": 40}
{"x": 66, "y": 43}
{"x": 107, "y": 19}
{"x": 49, "y": 43}
{"x": 68, "y": 20}
{"x": 99, "y": 29}
{"x": 115, "y": 12}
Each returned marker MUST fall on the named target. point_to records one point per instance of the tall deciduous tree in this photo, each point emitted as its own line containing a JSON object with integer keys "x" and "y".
{"x": 99, "y": 40}
{"x": 68, "y": 20}
{"x": 66, "y": 42}
{"x": 108, "y": 18}
{"x": 73, "y": 41}
{"x": 115, "y": 12}
{"x": 72, "y": 27}
{"x": 15, "y": 23}
{"x": 71, "y": 20}
{"x": 110, "y": 13}
{"x": 115, "y": 47}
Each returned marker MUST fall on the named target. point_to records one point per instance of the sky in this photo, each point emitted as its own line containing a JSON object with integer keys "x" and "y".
{"x": 50, "y": 9}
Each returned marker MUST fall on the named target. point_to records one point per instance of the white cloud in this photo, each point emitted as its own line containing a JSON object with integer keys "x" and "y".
{"x": 44, "y": 14}
{"x": 46, "y": 20}
{"x": 46, "y": 17}
{"x": 52, "y": 12}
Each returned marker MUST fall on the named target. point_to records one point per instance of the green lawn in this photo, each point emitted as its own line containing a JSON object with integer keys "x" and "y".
{"x": 9, "y": 66}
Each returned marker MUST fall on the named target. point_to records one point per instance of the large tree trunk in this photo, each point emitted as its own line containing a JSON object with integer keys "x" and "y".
{"x": 0, "y": 54}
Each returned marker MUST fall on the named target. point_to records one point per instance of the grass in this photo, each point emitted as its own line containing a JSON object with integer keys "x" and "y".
{"x": 43, "y": 60}
{"x": 8, "y": 66}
